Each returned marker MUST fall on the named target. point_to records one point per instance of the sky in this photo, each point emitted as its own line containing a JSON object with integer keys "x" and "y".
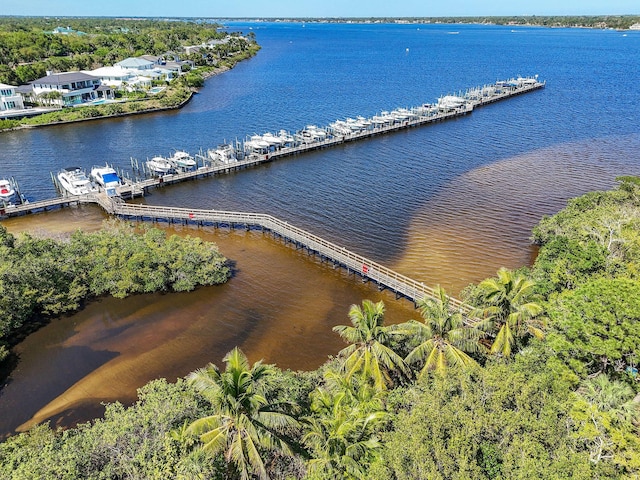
{"x": 315, "y": 8}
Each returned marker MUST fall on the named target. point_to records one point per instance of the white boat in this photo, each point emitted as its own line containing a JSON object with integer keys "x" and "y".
{"x": 450, "y": 102}
{"x": 182, "y": 160}
{"x": 7, "y": 191}
{"x": 256, "y": 145}
{"x": 223, "y": 154}
{"x": 159, "y": 165}
{"x": 340, "y": 127}
{"x": 105, "y": 176}
{"x": 287, "y": 139}
{"x": 272, "y": 140}
{"x": 311, "y": 134}
{"x": 74, "y": 180}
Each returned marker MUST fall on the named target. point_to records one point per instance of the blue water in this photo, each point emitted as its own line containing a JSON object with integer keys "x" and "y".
{"x": 364, "y": 194}
{"x": 447, "y": 203}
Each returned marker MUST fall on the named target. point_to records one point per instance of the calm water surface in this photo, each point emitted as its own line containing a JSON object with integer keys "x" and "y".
{"x": 448, "y": 203}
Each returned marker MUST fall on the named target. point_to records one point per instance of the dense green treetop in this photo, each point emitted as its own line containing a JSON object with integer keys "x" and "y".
{"x": 28, "y": 48}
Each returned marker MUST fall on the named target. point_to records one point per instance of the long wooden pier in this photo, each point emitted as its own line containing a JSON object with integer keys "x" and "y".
{"x": 254, "y": 159}
{"x": 368, "y": 269}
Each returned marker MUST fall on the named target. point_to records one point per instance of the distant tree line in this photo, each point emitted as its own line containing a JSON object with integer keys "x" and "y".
{"x": 600, "y": 21}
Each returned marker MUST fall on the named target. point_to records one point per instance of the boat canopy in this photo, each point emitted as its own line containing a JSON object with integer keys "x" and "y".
{"x": 110, "y": 178}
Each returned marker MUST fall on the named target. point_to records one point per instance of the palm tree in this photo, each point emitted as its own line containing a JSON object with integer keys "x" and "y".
{"x": 342, "y": 432}
{"x": 243, "y": 423}
{"x": 443, "y": 337}
{"x": 606, "y": 417}
{"x": 510, "y": 309}
{"x": 369, "y": 353}
{"x": 614, "y": 397}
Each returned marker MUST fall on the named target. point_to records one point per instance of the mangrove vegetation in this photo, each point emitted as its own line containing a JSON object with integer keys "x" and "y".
{"x": 41, "y": 278}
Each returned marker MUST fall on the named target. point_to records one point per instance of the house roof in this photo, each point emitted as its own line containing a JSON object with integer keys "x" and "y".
{"x": 110, "y": 72}
{"x": 150, "y": 58}
{"x": 63, "y": 78}
{"x": 24, "y": 89}
{"x": 5, "y": 86}
{"x": 134, "y": 63}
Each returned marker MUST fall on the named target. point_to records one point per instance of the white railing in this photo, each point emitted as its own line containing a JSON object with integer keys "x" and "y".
{"x": 366, "y": 267}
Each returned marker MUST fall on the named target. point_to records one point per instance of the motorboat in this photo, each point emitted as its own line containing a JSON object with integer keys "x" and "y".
{"x": 7, "y": 190}
{"x": 311, "y": 134}
{"x": 182, "y": 160}
{"x": 256, "y": 145}
{"x": 106, "y": 177}
{"x": 159, "y": 165}
{"x": 287, "y": 139}
{"x": 340, "y": 127}
{"x": 450, "y": 102}
{"x": 273, "y": 140}
{"x": 74, "y": 181}
{"x": 223, "y": 154}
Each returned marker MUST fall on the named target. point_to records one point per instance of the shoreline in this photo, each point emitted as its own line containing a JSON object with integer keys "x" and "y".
{"x": 205, "y": 77}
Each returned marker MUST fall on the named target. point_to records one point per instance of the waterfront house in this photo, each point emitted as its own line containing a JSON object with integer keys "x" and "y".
{"x": 135, "y": 63}
{"x": 66, "y": 31}
{"x": 115, "y": 77}
{"x": 168, "y": 61}
{"x": 67, "y": 89}
{"x": 9, "y": 98}
{"x": 141, "y": 67}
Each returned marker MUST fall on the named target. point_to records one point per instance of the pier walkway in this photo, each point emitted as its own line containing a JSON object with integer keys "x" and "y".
{"x": 368, "y": 269}
{"x": 332, "y": 140}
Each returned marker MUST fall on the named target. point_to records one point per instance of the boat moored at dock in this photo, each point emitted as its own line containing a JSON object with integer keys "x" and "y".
{"x": 74, "y": 181}
{"x": 7, "y": 191}
{"x": 258, "y": 149}
{"x": 224, "y": 154}
{"x": 107, "y": 178}
{"x": 182, "y": 160}
{"x": 159, "y": 165}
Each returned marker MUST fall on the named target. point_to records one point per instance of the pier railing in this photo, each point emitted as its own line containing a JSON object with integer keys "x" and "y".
{"x": 353, "y": 262}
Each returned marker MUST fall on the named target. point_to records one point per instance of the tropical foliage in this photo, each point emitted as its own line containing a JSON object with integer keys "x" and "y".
{"x": 563, "y": 407}
{"x": 342, "y": 431}
{"x": 370, "y": 354}
{"x": 444, "y": 340}
{"x": 243, "y": 423}
{"x": 509, "y": 307}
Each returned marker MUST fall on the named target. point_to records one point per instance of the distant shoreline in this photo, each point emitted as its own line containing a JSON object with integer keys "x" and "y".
{"x": 613, "y": 22}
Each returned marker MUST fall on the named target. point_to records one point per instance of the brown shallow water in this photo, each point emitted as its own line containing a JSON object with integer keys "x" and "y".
{"x": 482, "y": 220}
{"x": 280, "y": 304}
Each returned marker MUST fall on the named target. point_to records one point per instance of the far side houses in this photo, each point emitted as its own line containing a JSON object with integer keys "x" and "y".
{"x": 76, "y": 88}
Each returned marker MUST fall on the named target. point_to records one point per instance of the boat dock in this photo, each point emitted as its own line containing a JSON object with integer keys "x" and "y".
{"x": 256, "y": 151}
{"x": 250, "y": 153}
{"x": 267, "y": 148}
